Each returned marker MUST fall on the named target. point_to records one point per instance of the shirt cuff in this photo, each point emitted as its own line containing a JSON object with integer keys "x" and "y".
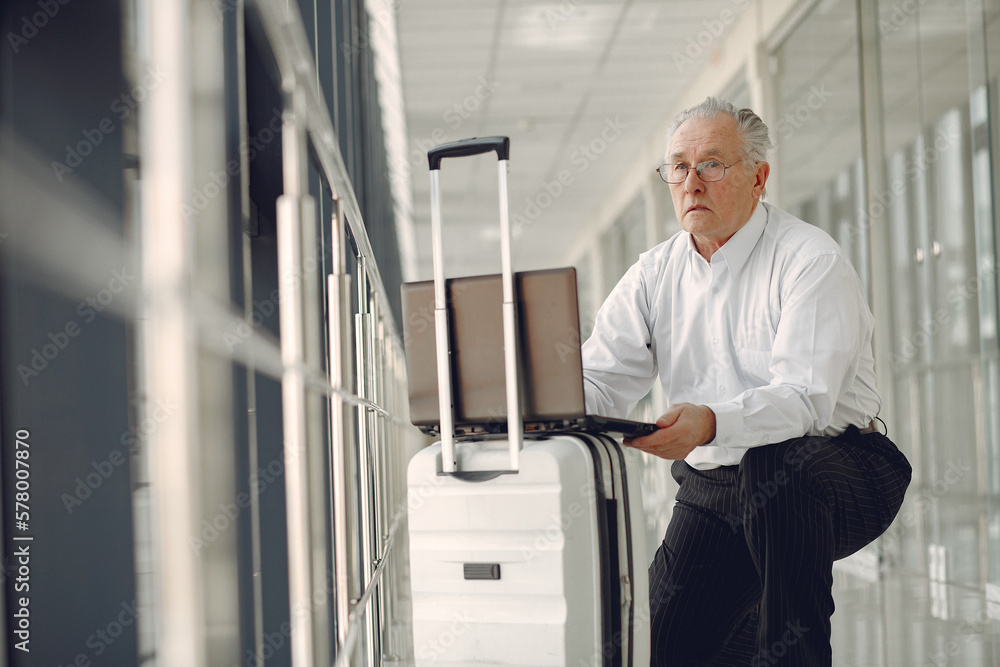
{"x": 728, "y": 424}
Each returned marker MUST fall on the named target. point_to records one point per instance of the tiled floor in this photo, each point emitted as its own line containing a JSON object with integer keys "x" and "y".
{"x": 900, "y": 620}
{"x": 906, "y": 620}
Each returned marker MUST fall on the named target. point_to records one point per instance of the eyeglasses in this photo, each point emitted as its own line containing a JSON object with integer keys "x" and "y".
{"x": 708, "y": 171}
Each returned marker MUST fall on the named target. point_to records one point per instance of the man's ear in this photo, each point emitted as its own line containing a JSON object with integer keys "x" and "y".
{"x": 763, "y": 170}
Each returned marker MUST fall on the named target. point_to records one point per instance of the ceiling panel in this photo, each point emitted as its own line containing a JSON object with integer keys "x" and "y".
{"x": 577, "y": 85}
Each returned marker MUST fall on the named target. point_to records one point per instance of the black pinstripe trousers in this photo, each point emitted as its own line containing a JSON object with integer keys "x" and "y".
{"x": 745, "y": 572}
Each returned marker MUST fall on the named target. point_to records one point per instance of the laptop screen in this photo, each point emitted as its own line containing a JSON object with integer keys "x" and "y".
{"x": 549, "y": 339}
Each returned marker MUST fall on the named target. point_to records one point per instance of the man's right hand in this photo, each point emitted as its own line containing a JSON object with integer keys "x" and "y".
{"x": 682, "y": 428}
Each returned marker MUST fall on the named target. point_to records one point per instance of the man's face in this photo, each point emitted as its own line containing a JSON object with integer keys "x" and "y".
{"x": 713, "y": 212}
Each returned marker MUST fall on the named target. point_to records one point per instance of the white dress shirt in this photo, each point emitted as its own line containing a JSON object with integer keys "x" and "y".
{"x": 774, "y": 335}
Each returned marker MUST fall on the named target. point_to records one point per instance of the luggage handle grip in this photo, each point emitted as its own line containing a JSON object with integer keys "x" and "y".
{"x": 465, "y": 147}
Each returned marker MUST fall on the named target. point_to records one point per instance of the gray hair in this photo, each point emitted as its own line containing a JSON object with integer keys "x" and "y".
{"x": 750, "y": 127}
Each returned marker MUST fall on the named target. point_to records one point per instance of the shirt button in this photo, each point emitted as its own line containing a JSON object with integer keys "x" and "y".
{"x": 722, "y": 390}
{"x": 715, "y": 340}
{"x": 715, "y": 290}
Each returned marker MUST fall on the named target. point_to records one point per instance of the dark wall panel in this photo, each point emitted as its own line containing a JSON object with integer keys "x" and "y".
{"x": 63, "y": 93}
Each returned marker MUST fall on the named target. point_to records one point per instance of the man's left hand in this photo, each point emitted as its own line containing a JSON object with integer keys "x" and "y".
{"x": 682, "y": 428}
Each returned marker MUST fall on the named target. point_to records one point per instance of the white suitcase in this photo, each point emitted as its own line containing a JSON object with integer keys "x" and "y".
{"x": 542, "y": 567}
{"x": 528, "y": 555}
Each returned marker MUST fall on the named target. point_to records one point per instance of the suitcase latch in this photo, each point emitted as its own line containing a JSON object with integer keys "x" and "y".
{"x": 482, "y": 570}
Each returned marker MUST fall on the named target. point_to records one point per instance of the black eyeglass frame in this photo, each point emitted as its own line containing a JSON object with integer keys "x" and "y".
{"x": 698, "y": 168}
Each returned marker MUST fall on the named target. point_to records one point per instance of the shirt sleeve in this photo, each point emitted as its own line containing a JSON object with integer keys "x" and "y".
{"x": 619, "y": 365}
{"x": 817, "y": 348}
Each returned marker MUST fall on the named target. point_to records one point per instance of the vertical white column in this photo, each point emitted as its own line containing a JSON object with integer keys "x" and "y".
{"x": 293, "y": 393}
{"x": 339, "y": 296}
{"x": 166, "y": 356}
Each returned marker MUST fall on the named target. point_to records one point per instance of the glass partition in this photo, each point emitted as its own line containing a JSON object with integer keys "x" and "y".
{"x": 939, "y": 206}
{"x": 817, "y": 173}
{"x": 937, "y": 115}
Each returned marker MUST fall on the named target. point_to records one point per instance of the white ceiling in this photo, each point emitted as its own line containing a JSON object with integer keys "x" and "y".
{"x": 578, "y": 86}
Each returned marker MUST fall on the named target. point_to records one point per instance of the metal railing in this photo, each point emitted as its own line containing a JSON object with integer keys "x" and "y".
{"x": 341, "y": 375}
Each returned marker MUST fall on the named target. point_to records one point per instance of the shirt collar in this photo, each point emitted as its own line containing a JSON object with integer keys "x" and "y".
{"x": 737, "y": 249}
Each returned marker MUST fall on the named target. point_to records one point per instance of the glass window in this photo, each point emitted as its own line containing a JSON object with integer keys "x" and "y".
{"x": 738, "y": 92}
{"x": 939, "y": 208}
{"x": 816, "y": 129}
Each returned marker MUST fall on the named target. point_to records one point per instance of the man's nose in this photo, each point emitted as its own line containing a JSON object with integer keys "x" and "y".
{"x": 693, "y": 182}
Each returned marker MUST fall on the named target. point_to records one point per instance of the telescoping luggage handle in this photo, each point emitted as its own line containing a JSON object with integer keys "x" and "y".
{"x": 463, "y": 148}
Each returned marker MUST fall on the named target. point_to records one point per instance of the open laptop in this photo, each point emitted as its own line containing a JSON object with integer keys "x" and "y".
{"x": 552, "y": 396}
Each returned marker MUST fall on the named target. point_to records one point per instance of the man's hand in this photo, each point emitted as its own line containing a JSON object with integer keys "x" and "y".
{"x": 682, "y": 428}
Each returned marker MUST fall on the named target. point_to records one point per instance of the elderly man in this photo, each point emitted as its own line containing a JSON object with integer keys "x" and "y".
{"x": 757, "y": 326}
